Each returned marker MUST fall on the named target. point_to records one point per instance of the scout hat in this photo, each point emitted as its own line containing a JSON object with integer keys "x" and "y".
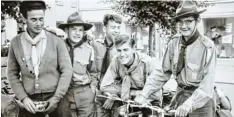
{"x": 187, "y": 8}
{"x": 75, "y": 19}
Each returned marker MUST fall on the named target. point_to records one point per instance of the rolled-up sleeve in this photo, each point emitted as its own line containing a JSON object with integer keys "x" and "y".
{"x": 205, "y": 91}
{"x": 159, "y": 75}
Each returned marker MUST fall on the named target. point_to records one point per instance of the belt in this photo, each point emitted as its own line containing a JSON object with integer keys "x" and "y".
{"x": 187, "y": 87}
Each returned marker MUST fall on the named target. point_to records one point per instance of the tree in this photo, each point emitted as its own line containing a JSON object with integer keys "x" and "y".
{"x": 147, "y": 13}
{"x": 10, "y": 8}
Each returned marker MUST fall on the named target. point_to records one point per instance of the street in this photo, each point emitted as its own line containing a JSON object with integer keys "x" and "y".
{"x": 225, "y": 71}
{"x": 225, "y": 78}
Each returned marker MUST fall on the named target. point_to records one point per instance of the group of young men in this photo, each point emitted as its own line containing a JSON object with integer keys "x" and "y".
{"x": 68, "y": 74}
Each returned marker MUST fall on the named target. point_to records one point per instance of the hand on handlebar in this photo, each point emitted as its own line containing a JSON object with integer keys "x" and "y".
{"x": 182, "y": 110}
{"x": 108, "y": 104}
{"x": 140, "y": 99}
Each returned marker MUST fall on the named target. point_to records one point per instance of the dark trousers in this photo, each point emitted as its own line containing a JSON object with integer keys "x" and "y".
{"x": 79, "y": 101}
{"x": 208, "y": 110}
{"x": 101, "y": 112}
{"x": 39, "y": 97}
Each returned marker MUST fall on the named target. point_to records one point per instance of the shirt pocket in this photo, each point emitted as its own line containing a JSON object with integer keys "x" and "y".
{"x": 139, "y": 79}
{"x": 194, "y": 72}
{"x": 80, "y": 67}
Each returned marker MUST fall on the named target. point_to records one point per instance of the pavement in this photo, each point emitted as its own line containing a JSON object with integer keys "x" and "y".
{"x": 224, "y": 77}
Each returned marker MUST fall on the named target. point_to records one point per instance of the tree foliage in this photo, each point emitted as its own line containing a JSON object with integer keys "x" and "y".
{"x": 10, "y": 8}
{"x": 146, "y": 13}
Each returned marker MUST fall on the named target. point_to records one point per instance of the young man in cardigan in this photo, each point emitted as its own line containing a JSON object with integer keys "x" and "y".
{"x": 39, "y": 67}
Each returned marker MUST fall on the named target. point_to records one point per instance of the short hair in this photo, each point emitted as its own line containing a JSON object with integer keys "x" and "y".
{"x": 196, "y": 16}
{"x": 122, "y": 39}
{"x": 111, "y": 17}
{"x": 26, "y": 6}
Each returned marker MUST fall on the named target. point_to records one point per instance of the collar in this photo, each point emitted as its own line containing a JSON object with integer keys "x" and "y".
{"x": 36, "y": 39}
{"x": 41, "y": 35}
{"x": 191, "y": 39}
{"x": 135, "y": 62}
{"x": 106, "y": 44}
{"x": 79, "y": 44}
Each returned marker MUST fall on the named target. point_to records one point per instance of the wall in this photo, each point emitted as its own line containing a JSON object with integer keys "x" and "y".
{"x": 10, "y": 28}
{"x": 59, "y": 11}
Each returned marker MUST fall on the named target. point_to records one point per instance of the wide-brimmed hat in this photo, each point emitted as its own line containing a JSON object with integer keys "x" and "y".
{"x": 187, "y": 8}
{"x": 75, "y": 19}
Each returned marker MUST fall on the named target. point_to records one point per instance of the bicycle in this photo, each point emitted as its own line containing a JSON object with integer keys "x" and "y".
{"x": 127, "y": 109}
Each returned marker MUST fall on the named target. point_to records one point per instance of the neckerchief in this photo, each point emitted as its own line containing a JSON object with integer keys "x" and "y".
{"x": 185, "y": 44}
{"x": 126, "y": 77}
{"x": 71, "y": 50}
{"x": 105, "y": 63}
{"x": 36, "y": 58}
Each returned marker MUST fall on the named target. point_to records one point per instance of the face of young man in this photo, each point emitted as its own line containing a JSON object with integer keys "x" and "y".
{"x": 75, "y": 33}
{"x": 112, "y": 29}
{"x": 187, "y": 26}
{"x": 125, "y": 54}
{"x": 35, "y": 21}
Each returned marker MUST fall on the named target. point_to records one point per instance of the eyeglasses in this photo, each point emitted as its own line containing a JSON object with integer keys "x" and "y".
{"x": 187, "y": 22}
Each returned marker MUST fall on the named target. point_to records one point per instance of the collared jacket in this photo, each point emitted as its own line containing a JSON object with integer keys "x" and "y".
{"x": 199, "y": 70}
{"x": 116, "y": 71}
{"x": 54, "y": 73}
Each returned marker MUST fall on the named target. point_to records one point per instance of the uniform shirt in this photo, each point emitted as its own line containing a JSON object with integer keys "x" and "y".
{"x": 103, "y": 55}
{"x": 144, "y": 69}
{"x": 83, "y": 56}
{"x": 199, "y": 70}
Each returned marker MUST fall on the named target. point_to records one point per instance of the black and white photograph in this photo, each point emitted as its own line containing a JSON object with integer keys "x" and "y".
{"x": 117, "y": 58}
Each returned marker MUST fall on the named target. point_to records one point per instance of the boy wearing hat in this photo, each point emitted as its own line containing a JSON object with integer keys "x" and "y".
{"x": 128, "y": 71}
{"x": 39, "y": 66}
{"x": 191, "y": 59}
{"x": 81, "y": 93}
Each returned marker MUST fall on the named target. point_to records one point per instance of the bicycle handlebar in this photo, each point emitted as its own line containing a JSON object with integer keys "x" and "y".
{"x": 133, "y": 104}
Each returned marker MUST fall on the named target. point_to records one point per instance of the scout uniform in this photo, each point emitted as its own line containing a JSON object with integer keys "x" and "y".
{"x": 121, "y": 80}
{"x": 80, "y": 94}
{"x": 103, "y": 55}
{"x": 192, "y": 63}
{"x": 195, "y": 80}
